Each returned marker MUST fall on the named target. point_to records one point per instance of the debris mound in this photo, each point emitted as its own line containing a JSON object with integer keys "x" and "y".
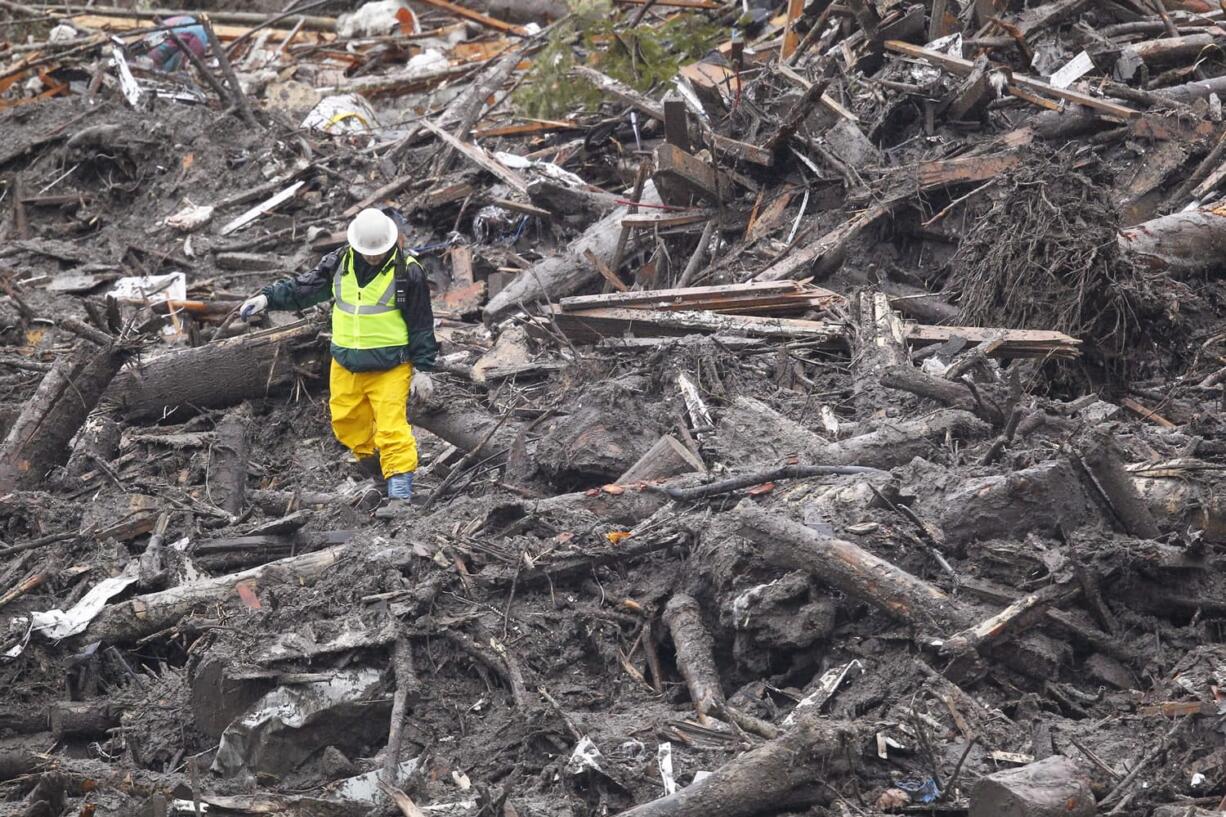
{"x": 827, "y": 414}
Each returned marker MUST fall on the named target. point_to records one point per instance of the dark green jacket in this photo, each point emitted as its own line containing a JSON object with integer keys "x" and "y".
{"x": 306, "y": 289}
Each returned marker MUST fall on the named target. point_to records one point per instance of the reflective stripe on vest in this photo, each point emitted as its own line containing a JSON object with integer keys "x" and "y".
{"x": 366, "y": 317}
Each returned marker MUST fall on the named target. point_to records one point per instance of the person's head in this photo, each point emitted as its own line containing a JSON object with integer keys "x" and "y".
{"x": 372, "y": 235}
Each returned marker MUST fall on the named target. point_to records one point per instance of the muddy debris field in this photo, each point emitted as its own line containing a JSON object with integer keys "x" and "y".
{"x": 828, "y": 417}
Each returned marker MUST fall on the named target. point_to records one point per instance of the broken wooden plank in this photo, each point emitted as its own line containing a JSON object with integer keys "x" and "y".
{"x": 593, "y": 324}
{"x": 479, "y": 18}
{"x": 680, "y": 175}
{"x": 649, "y": 221}
{"x": 961, "y": 67}
{"x": 261, "y": 208}
{"x": 479, "y": 156}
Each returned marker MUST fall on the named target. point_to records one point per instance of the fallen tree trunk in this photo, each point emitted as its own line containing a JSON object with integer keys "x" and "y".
{"x": 952, "y": 393}
{"x": 695, "y": 656}
{"x": 1100, "y": 457}
{"x": 1180, "y": 244}
{"x": 38, "y": 439}
{"x": 851, "y": 569}
{"x": 219, "y": 374}
{"x": 567, "y": 272}
{"x": 144, "y": 615}
{"x": 878, "y": 344}
{"x": 897, "y": 443}
{"x": 787, "y": 771}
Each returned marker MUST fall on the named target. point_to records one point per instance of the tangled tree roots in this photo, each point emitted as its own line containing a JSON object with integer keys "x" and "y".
{"x": 1045, "y": 256}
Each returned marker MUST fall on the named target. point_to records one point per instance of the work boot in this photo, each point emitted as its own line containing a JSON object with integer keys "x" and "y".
{"x": 369, "y": 468}
{"x": 399, "y": 494}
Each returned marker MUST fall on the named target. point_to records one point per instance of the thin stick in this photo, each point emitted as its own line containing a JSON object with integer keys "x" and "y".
{"x": 1142, "y": 764}
{"x": 227, "y": 70}
{"x": 406, "y": 680}
{"x": 758, "y": 477}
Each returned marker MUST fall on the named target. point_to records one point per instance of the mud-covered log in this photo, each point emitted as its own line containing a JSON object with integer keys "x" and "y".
{"x": 897, "y": 443}
{"x": 848, "y": 567}
{"x": 98, "y": 440}
{"x": 466, "y": 429}
{"x": 82, "y": 719}
{"x": 695, "y": 652}
{"x": 950, "y": 392}
{"x": 787, "y": 771}
{"x": 1101, "y": 458}
{"x": 667, "y": 458}
{"x": 1179, "y": 244}
{"x": 39, "y": 437}
{"x": 566, "y": 272}
{"x": 143, "y": 615}
{"x": 220, "y": 374}
{"x": 228, "y": 456}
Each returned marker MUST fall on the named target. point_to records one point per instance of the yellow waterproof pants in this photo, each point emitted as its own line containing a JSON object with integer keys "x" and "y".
{"x": 369, "y": 412}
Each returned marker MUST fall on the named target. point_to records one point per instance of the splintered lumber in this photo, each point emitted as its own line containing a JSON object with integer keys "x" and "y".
{"x": 848, "y": 567}
{"x": 39, "y": 437}
{"x": 830, "y": 249}
{"x": 1017, "y": 82}
{"x": 219, "y": 374}
{"x": 247, "y": 18}
{"x": 784, "y": 773}
{"x": 680, "y": 176}
{"x": 478, "y": 17}
{"x": 590, "y": 325}
{"x": 695, "y": 653}
{"x": 879, "y": 343}
{"x": 227, "y": 482}
{"x": 480, "y": 157}
{"x": 655, "y": 110}
{"x": 1014, "y": 343}
{"x": 144, "y": 615}
{"x": 562, "y": 274}
{"x": 667, "y": 458}
{"x": 752, "y": 297}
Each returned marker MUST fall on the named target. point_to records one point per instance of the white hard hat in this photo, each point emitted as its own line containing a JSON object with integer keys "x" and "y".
{"x": 372, "y": 233}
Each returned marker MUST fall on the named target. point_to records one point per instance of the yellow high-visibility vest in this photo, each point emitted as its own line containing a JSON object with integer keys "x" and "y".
{"x": 366, "y": 317}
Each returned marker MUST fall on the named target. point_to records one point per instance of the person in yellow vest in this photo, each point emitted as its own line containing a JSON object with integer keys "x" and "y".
{"x": 382, "y": 342}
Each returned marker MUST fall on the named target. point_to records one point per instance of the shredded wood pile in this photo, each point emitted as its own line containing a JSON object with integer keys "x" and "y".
{"x": 829, "y": 414}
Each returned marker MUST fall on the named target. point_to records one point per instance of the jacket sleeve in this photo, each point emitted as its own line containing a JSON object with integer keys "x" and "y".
{"x": 306, "y": 288}
{"x": 418, "y": 314}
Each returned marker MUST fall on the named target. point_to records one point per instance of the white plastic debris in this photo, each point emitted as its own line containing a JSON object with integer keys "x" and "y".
{"x": 62, "y": 33}
{"x": 1073, "y": 70}
{"x": 827, "y": 685}
{"x": 342, "y": 114}
{"x": 374, "y": 20}
{"x": 427, "y": 61}
{"x": 190, "y": 217}
{"x": 151, "y": 288}
{"x": 365, "y": 787}
{"x": 58, "y": 624}
{"x": 934, "y": 367}
{"x": 664, "y": 761}
{"x": 585, "y": 757}
{"x": 547, "y": 169}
